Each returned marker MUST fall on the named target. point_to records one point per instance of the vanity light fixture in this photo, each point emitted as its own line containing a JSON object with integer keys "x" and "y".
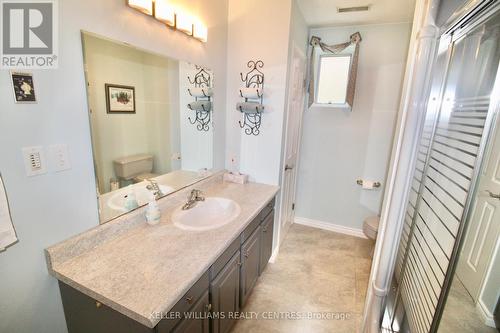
{"x": 184, "y": 23}
{"x": 200, "y": 31}
{"x": 164, "y": 12}
{"x": 145, "y": 6}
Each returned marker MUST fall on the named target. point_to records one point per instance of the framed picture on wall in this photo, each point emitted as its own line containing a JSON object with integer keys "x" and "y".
{"x": 24, "y": 88}
{"x": 120, "y": 99}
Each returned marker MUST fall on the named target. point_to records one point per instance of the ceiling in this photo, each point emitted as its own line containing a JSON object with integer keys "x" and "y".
{"x": 324, "y": 12}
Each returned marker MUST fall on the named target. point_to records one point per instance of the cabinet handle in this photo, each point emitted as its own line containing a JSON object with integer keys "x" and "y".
{"x": 189, "y": 300}
{"x": 264, "y": 229}
{"x": 238, "y": 263}
{"x": 208, "y": 307}
{"x": 246, "y": 254}
{"x": 98, "y": 304}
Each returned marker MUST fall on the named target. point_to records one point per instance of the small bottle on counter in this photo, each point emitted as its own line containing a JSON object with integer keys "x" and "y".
{"x": 153, "y": 213}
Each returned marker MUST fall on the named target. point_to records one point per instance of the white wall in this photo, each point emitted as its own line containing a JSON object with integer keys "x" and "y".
{"x": 52, "y": 207}
{"x": 258, "y": 30}
{"x": 299, "y": 31}
{"x": 338, "y": 147}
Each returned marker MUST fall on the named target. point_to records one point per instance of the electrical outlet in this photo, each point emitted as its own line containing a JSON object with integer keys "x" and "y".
{"x": 176, "y": 156}
{"x": 34, "y": 161}
{"x": 59, "y": 157}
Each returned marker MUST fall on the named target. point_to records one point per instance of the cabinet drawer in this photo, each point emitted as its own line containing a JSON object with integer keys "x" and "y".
{"x": 268, "y": 208}
{"x": 185, "y": 304}
{"x": 199, "y": 321}
{"x": 224, "y": 258}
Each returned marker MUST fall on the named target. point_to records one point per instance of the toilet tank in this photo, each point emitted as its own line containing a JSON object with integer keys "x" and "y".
{"x": 130, "y": 166}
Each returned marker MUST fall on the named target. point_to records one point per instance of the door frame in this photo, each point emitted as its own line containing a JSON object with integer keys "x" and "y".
{"x": 295, "y": 51}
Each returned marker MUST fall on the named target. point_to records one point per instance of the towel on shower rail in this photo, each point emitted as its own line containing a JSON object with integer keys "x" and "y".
{"x": 7, "y": 232}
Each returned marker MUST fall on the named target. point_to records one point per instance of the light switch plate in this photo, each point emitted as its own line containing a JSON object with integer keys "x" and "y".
{"x": 59, "y": 157}
{"x": 34, "y": 161}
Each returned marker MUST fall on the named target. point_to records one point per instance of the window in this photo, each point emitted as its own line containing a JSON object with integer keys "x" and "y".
{"x": 333, "y": 79}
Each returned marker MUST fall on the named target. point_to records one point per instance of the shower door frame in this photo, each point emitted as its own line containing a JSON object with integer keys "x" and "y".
{"x": 453, "y": 33}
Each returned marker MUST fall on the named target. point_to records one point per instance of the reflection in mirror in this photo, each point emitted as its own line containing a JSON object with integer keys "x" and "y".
{"x": 472, "y": 303}
{"x": 150, "y": 119}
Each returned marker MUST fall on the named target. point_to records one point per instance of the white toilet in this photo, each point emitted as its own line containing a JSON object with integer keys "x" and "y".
{"x": 135, "y": 167}
{"x": 370, "y": 227}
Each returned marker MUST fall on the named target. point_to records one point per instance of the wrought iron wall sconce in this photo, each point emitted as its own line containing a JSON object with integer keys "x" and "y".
{"x": 202, "y": 92}
{"x": 253, "y": 93}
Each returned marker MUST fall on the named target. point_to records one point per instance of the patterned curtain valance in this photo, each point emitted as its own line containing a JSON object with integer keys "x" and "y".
{"x": 316, "y": 42}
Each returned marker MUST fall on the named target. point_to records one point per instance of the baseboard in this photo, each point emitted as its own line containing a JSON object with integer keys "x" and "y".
{"x": 486, "y": 315}
{"x": 330, "y": 227}
{"x": 274, "y": 256}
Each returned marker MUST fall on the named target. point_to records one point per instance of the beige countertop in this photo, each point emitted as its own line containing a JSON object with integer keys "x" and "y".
{"x": 140, "y": 270}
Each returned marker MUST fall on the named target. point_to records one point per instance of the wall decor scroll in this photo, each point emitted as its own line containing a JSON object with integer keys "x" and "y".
{"x": 253, "y": 93}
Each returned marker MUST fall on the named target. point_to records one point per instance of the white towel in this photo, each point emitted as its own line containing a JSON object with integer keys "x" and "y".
{"x": 249, "y": 107}
{"x": 200, "y": 106}
{"x": 251, "y": 92}
{"x": 7, "y": 232}
{"x": 200, "y": 92}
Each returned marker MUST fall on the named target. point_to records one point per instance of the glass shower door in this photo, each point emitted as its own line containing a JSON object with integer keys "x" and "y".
{"x": 463, "y": 101}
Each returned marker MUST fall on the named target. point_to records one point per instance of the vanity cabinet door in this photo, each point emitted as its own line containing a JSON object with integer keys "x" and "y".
{"x": 225, "y": 290}
{"x": 250, "y": 261}
{"x": 266, "y": 247}
{"x": 84, "y": 315}
{"x": 196, "y": 321}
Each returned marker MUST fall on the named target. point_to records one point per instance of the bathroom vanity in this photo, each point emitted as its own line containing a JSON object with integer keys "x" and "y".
{"x": 126, "y": 276}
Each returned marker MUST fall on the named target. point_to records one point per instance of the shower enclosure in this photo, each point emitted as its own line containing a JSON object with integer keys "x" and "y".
{"x": 455, "y": 143}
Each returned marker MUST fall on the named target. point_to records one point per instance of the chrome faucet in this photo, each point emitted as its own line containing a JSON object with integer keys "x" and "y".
{"x": 193, "y": 198}
{"x": 155, "y": 188}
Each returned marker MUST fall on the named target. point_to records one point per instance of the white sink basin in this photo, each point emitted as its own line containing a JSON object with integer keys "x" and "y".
{"x": 118, "y": 199}
{"x": 212, "y": 213}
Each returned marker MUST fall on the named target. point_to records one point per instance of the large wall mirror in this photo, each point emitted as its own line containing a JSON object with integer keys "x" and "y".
{"x": 150, "y": 120}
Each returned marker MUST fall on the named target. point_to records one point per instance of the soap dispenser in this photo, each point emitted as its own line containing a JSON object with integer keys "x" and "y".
{"x": 153, "y": 213}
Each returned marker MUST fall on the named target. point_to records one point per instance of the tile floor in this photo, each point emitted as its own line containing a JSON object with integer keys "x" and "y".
{"x": 316, "y": 271}
{"x": 460, "y": 314}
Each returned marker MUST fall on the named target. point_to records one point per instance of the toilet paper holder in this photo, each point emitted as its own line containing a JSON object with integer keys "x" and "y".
{"x": 375, "y": 184}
